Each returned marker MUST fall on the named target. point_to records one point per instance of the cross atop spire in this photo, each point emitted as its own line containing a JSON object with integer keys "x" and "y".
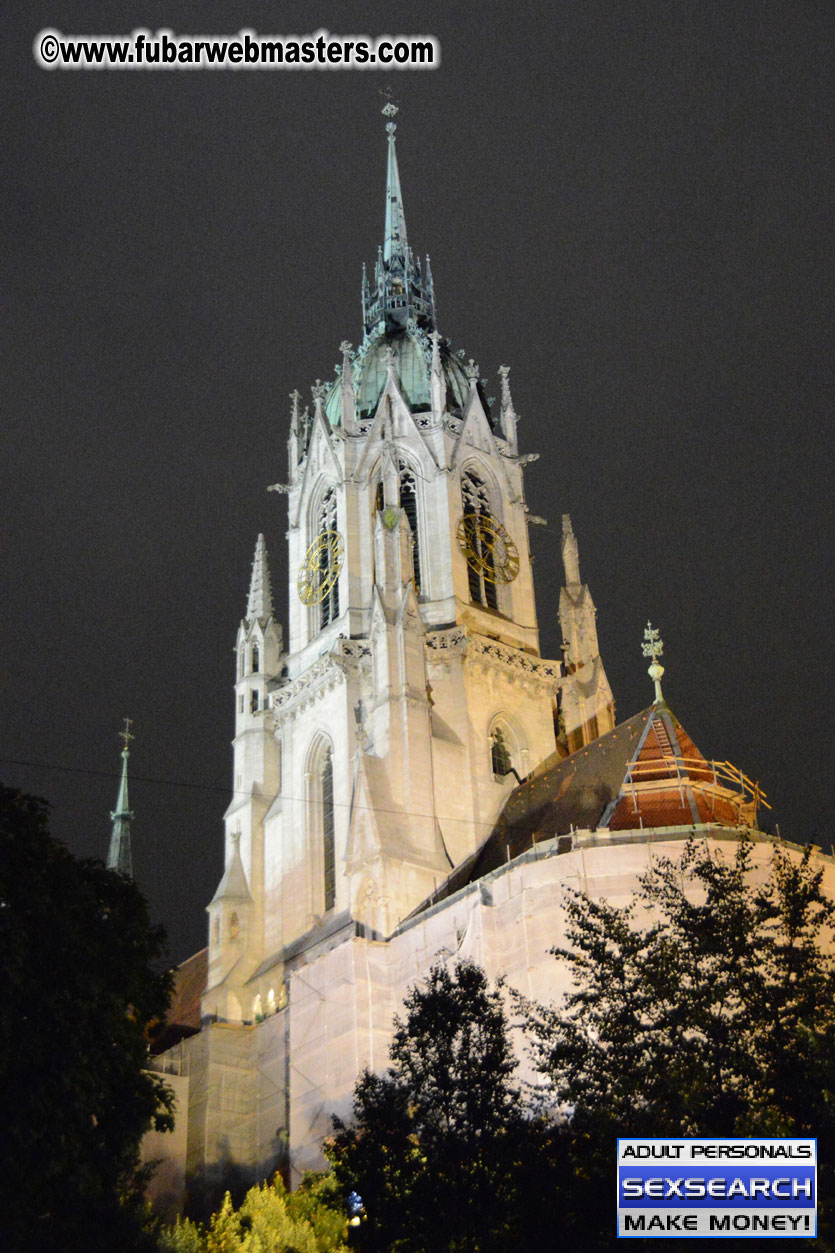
{"x": 119, "y": 853}
{"x": 653, "y": 646}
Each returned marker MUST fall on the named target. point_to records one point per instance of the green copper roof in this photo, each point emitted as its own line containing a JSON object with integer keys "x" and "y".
{"x": 411, "y": 369}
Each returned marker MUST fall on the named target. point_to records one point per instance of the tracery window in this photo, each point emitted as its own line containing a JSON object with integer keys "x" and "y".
{"x": 329, "y": 605}
{"x": 480, "y": 573}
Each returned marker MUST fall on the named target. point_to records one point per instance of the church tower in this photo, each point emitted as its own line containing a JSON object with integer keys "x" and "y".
{"x": 374, "y": 755}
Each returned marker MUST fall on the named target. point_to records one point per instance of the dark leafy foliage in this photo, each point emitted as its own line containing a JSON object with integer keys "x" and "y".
{"x": 707, "y": 1007}
{"x": 441, "y": 1149}
{"x": 79, "y": 989}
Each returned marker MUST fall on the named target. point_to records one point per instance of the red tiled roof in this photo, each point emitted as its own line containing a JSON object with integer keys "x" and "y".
{"x": 183, "y": 1017}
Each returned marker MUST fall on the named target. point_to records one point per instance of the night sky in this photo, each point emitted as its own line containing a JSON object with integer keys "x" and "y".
{"x": 629, "y": 204}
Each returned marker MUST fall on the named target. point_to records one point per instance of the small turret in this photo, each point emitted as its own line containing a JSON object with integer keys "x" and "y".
{"x": 119, "y": 853}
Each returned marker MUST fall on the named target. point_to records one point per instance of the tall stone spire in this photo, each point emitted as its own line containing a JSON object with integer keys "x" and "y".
{"x": 395, "y": 243}
{"x": 119, "y": 853}
{"x": 260, "y": 603}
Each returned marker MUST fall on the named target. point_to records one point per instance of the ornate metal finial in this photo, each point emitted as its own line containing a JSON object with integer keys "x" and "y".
{"x": 389, "y": 109}
{"x": 345, "y": 348}
{"x": 125, "y": 736}
{"x": 319, "y": 390}
{"x": 653, "y": 646}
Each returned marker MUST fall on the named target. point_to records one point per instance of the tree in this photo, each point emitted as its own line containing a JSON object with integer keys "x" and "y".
{"x": 79, "y": 988}
{"x": 309, "y": 1220}
{"x": 706, "y": 1007}
{"x": 441, "y": 1150}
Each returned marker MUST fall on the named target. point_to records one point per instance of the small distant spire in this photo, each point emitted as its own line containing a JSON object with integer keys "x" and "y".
{"x": 260, "y": 602}
{"x": 430, "y": 288}
{"x": 119, "y": 853}
{"x": 653, "y": 646}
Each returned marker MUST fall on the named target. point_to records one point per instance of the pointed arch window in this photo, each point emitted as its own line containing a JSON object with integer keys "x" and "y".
{"x": 329, "y": 605}
{"x": 328, "y": 831}
{"x": 256, "y": 658}
{"x": 480, "y": 573}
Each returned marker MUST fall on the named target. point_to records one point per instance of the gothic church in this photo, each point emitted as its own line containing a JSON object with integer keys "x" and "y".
{"x": 412, "y": 781}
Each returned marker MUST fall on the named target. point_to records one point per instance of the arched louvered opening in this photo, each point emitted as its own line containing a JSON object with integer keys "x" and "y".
{"x": 407, "y": 498}
{"x": 409, "y": 505}
{"x": 329, "y": 604}
{"x": 480, "y": 564}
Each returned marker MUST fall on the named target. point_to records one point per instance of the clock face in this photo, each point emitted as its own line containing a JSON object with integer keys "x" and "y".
{"x": 488, "y": 548}
{"x": 320, "y": 568}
